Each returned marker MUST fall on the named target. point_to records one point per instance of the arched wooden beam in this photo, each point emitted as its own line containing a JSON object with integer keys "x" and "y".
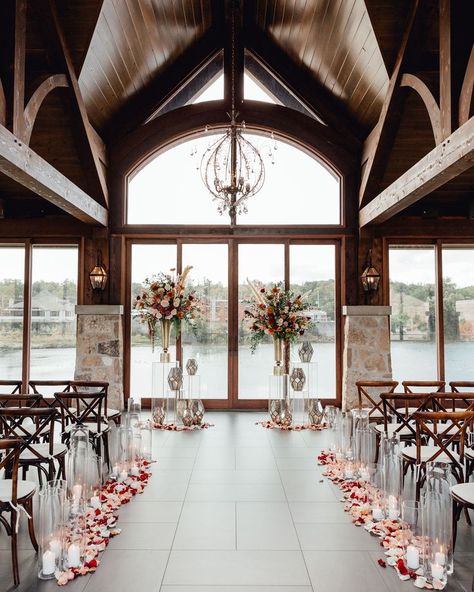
{"x": 431, "y": 105}
{"x": 3, "y": 105}
{"x": 134, "y": 149}
{"x": 465, "y": 98}
{"x": 36, "y": 100}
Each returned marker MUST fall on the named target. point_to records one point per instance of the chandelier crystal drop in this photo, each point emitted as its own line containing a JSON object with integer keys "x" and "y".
{"x": 232, "y": 169}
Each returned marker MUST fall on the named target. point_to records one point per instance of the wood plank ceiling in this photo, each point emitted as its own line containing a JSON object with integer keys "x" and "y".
{"x": 335, "y": 41}
{"x": 132, "y": 43}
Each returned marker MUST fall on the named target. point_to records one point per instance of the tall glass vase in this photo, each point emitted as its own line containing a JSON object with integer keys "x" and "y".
{"x": 278, "y": 353}
{"x": 50, "y": 529}
{"x": 392, "y": 475}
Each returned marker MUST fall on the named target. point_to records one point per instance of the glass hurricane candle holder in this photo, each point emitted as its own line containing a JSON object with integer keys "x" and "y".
{"x": 75, "y": 540}
{"x": 392, "y": 475}
{"x": 134, "y": 405}
{"x": 147, "y": 434}
{"x": 377, "y": 493}
{"x": 412, "y": 534}
{"x": 50, "y": 528}
{"x": 78, "y": 473}
{"x": 330, "y": 415}
{"x": 125, "y": 448}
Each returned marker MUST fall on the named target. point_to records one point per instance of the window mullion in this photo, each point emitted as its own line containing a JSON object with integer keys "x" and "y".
{"x": 25, "y": 375}
{"x": 439, "y": 310}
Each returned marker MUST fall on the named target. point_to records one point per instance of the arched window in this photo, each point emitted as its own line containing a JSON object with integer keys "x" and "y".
{"x": 298, "y": 189}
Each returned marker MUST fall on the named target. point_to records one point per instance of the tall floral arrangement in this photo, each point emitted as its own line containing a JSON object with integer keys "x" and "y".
{"x": 165, "y": 297}
{"x": 276, "y": 312}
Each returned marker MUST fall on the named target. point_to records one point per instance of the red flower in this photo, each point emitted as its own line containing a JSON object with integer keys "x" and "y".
{"x": 402, "y": 567}
{"x": 92, "y": 564}
{"x": 381, "y": 562}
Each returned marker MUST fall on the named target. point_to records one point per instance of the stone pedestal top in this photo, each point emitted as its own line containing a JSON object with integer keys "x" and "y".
{"x": 366, "y": 311}
{"x": 99, "y": 309}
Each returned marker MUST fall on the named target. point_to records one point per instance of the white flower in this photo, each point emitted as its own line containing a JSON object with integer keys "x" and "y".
{"x": 167, "y": 287}
{"x": 280, "y": 322}
{"x": 165, "y": 303}
{"x": 173, "y": 312}
{"x": 286, "y": 309}
{"x": 176, "y": 302}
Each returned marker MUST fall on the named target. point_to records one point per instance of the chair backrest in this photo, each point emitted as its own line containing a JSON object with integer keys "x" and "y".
{"x": 10, "y": 387}
{"x": 47, "y": 388}
{"x": 402, "y": 407}
{"x": 412, "y": 386}
{"x": 81, "y": 407}
{"x": 443, "y": 429}
{"x": 459, "y": 386}
{"x": 9, "y": 457}
{"x": 15, "y": 400}
{"x": 96, "y": 386}
{"x": 369, "y": 392}
{"x": 12, "y": 426}
{"x": 454, "y": 401}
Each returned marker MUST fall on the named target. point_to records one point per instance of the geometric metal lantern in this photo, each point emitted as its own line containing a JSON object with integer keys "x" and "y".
{"x": 370, "y": 277}
{"x": 305, "y": 351}
{"x": 191, "y": 366}
{"x": 175, "y": 378}
{"x": 98, "y": 275}
{"x": 297, "y": 379}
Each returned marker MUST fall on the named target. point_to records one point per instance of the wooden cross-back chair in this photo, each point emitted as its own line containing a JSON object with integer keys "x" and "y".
{"x": 440, "y": 436}
{"x": 368, "y": 398}
{"x": 462, "y": 495}
{"x": 42, "y": 456}
{"x": 398, "y": 411}
{"x": 97, "y": 386}
{"x": 85, "y": 409}
{"x": 15, "y": 494}
{"x": 17, "y": 400}
{"x": 41, "y": 387}
{"x": 412, "y": 386}
{"x": 10, "y": 387}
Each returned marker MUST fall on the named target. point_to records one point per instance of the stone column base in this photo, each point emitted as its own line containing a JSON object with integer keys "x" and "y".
{"x": 99, "y": 349}
{"x": 366, "y": 353}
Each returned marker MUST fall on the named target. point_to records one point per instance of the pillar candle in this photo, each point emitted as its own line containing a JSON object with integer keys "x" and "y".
{"x": 413, "y": 557}
{"x": 73, "y": 555}
{"x": 49, "y": 562}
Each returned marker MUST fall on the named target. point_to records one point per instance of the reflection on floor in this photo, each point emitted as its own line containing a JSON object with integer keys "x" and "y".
{"x": 237, "y": 508}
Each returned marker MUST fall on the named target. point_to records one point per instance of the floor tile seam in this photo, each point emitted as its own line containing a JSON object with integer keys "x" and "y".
{"x": 179, "y": 519}
{"x": 294, "y": 527}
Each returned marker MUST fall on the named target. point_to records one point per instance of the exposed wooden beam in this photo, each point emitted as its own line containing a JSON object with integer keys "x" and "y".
{"x": 3, "y": 105}
{"x": 301, "y": 83}
{"x": 445, "y": 67}
{"x": 465, "y": 99}
{"x": 142, "y": 107}
{"x": 411, "y": 81}
{"x": 376, "y": 157}
{"x": 80, "y": 124}
{"x": 19, "y": 67}
{"x": 448, "y": 160}
{"x": 37, "y": 98}
{"x": 26, "y": 167}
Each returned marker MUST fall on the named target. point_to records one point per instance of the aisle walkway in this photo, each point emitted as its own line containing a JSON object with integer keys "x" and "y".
{"x": 238, "y": 508}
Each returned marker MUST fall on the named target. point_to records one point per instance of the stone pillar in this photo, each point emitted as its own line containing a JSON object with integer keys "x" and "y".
{"x": 99, "y": 350}
{"x": 366, "y": 353}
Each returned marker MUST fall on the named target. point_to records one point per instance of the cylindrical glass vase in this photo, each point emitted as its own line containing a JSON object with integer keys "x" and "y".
{"x": 392, "y": 475}
{"x": 412, "y": 534}
{"x": 146, "y": 433}
{"x": 50, "y": 528}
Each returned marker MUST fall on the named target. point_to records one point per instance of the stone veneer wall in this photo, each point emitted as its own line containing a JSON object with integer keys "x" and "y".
{"x": 99, "y": 349}
{"x": 366, "y": 353}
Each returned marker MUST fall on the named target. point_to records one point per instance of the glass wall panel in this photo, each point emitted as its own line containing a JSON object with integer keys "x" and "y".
{"x": 263, "y": 264}
{"x": 413, "y": 320}
{"x": 312, "y": 273}
{"x": 458, "y": 308}
{"x": 53, "y": 317}
{"x": 147, "y": 260}
{"x": 209, "y": 277}
{"x": 12, "y": 269}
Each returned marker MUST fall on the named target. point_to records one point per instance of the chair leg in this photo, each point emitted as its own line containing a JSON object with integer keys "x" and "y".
{"x": 106, "y": 450}
{"x": 31, "y": 524}
{"x": 455, "y": 523}
{"x": 14, "y": 548}
{"x": 466, "y": 513}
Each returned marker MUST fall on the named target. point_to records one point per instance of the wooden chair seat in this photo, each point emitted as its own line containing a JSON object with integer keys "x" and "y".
{"x": 463, "y": 493}
{"x": 59, "y": 450}
{"x": 392, "y": 428}
{"x": 90, "y": 426}
{"x": 427, "y": 453}
{"x": 469, "y": 453}
{"x": 113, "y": 413}
{"x": 25, "y": 489}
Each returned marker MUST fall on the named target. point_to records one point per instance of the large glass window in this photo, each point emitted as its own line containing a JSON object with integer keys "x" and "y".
{"x": 169, "y": 189}
{"x": 208, "y": 345}
{"x": 53, "y": 317}
{"x": 413, "y": 320}
{"x": 458, "y": 310}
{"x": 12, "y": 269}
{"x": 312, "y": 273}
{"x": 146, "y": 261}
{"x": 263, "y": 265}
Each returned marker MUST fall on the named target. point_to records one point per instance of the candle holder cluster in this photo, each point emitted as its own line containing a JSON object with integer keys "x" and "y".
{"x": 130, "y": 444}
{"x": 176, "y": 396}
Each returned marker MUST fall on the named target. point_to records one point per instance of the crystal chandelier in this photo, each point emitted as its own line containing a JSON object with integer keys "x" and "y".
{"x": 232, "y": 168}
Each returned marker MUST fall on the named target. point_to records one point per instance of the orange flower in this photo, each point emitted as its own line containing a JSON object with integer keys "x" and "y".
{"x": 270, "y": 310}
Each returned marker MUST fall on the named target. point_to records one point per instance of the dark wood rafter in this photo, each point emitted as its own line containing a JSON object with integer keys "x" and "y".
{"x": 22, "y": 164}
{"x": 3, "y": 105}
{"x": 448, "y": 160}
{"x": 144, "y": 105}
{"x": 36, "y": 100}
{"x": 300, "y": 83}
{"x": 376, "y": 153}
{"x": 415, "y": 83}
{"x": 465, "y": 99}
{"x": 82, "y": 129}
{"x": 234, "y": 60}
{"x": 445, "y": 67}
{"x": 19, "y": 68}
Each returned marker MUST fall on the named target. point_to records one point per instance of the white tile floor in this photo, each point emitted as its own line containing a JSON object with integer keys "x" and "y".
{"x": 238, "y": 508}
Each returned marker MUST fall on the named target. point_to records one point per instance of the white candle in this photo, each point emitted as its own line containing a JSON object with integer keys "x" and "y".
{"x": 49, "y": 562}
{"x": 377, "y": 514}
{"x": 348, "y": 473}
{"x": 440, "y": 558}
{"x": 437, "y": 571}
{"x": 73, "y": 555}
{"x": 123, "y": 475}
{"x": 76, "y": 493}
{"x": 134, "y": 471}
{"x": 413, "y": 557}
{"x": 115, "y": 472}
{"x": 55, "y": 546}
{"x": 95, "y": 502}
{"x": 393, "y": 511}
{"x": 364, "y": 475}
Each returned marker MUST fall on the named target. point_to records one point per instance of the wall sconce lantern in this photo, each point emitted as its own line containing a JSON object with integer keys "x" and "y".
{"x": 98, "y": 275}
{"x": 370, "y": 277}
